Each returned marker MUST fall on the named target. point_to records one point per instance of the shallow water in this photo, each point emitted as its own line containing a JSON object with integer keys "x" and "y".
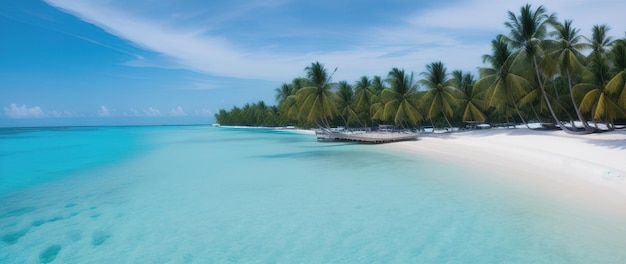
{"x": 202, "y": 195}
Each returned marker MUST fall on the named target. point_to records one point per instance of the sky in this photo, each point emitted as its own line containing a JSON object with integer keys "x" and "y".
{"x": 137, "y": 62}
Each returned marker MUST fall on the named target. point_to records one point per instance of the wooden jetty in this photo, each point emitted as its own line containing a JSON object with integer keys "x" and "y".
{"x": 366, "y": 138}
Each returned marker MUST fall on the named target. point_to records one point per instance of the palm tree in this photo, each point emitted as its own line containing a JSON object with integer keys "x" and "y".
{"x": 603, "y": 98}
{"x": 501, "y": 86}
{"x": 617, "y": 85}
{"x": 346, "y": 104}
{"x": 598, "y": 100}
{"x": 441, "y": 96}
{"x": 286, "y": 98}
{"x": 365, "y": 97}
{"x": 316, "y": 102}
{"x": 568, "y": 56}
{"x": 378, "y": 85}
{"x": 283, "y": 92}
{"x": 470, "y": 98}
{"x": 600, "y": 42}
{"x": 600, "y": 93}
{"x": 528, "y": 32}
{"x": 399, "y": 103}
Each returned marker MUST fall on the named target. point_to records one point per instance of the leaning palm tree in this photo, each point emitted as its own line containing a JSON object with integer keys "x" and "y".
{"x": 502, "y": 87}
{"x": 568, "y": 56}
{"x": 346, "y": 104}
{"x": 442, "y": 96}
{"x": 528, "y": 32}
{"x": 316, "y": 101}
{"x": 399, "y": 102}
{"x": 471, "y": 101}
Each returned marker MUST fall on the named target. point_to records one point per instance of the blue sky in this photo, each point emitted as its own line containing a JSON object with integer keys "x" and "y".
{"x": 121, "y": 62}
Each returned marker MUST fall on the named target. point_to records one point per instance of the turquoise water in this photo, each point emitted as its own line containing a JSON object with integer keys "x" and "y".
{"x": 222, "y": 195}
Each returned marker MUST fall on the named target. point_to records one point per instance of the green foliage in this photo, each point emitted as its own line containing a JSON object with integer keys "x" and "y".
{"x": 537, "y": 72}
{"x": 399, "y": 103}
{"x": 442, "y": 96}
{"x": 256, "y": 114}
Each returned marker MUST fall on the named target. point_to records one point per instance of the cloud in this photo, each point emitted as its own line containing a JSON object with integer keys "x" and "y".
{"x": 104, "y": 111}
{"x": 193, "y": 48}
{"x": 490, "y": 16}
{"x": 13, "y": 111}
{"x": 132, "y": 112}
{"x": 178, "y": 111}
{"x": 152, "y": 112}
{"x": 457, "y": 33}
{"x": 203, "y": 112}
{"x": 62, "y": 114}
{"x": 187, "y": 47}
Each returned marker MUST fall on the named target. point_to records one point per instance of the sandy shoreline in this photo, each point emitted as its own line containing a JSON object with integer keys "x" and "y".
{"x": 587, "y": 170}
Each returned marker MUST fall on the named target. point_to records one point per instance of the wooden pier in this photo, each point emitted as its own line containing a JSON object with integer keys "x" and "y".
{"x": 366, "y": 138}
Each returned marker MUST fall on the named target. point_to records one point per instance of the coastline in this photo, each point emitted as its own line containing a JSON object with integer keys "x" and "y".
{"x": 585, "y": 171}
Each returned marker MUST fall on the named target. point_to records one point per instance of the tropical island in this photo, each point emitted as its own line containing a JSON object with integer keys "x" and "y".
{"x": 543, "y": 71}
{"x": 560, "y": 90}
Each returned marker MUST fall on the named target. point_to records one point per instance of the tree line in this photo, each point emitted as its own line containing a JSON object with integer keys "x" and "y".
{"x": 537, "y": 72}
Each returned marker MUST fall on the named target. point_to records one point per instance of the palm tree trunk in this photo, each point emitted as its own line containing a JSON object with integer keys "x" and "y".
{"x": 578, "y": 113}
{"x": 545, "y": 95}
{"x": 520, "y": 116}
{"x": 446, "y": 118}
{"x": 536, "y": 114}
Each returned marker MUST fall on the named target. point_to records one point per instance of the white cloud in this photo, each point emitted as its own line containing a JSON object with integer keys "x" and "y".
{"x": 187, "y": 47}
{"x": 152, "y": 112}
{"x": 490, "y": 15}
{"x": 104, "y": 111}
{"x": 203, "y": 112}
{"x": 178, "y": 111}
{"x": 62, "y": 114}
{"x": 132, "y": 112}
{"x": 456, "y": 33}
{"x": 13, "y": 111}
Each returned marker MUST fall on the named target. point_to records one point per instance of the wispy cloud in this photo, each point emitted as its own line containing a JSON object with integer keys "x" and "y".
{"x": 104, "y": 111}
{"x": 13, "y": 111}
{"x": 192, "y": 48}
{"x": 187, "y": 47}
{"x": 22, "y": 112}
{"x": 132, "y": 112}
{"x": 457, "y": 33}
{"x": 178, "y": 111}
{"x": 62, "y": 114}
{"x": 203, "y": 112}
{"x": 475, "y": 15}
{"x": 152, "y": 112}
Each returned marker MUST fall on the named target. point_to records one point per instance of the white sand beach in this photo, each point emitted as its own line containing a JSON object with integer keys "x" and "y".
{"x": 588, "y": 170}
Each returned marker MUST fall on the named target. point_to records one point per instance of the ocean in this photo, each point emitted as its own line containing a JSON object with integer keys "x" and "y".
{"x": 198, "y": 194}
